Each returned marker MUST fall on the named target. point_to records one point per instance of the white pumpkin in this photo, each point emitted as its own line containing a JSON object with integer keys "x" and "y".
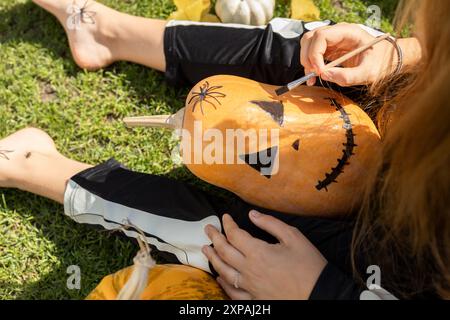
{"x": 252, "y": 12}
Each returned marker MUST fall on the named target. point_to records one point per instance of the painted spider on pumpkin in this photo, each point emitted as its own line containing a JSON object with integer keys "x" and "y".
{"x": 205, "y": 92}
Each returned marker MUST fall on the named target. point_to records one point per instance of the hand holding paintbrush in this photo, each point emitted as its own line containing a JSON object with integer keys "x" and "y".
{"x": 335, "y": 63}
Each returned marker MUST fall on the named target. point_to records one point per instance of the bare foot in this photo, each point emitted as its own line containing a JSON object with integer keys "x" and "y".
{"x": 17, "y": 149}
{"x": 91, "y": 33}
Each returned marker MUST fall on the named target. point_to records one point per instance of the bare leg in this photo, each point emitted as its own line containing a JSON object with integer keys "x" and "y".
{"x": 30, "y": 162}
{"x": 114, "y": 36}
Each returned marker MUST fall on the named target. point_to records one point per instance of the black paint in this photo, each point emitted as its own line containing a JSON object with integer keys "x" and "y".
{"x": 296, "y": 145}
{"x": 206, "y": 92}
{"x": 346, "y": 153}
{"x": 274, "y": 108}
{"x": 255, "y": 160}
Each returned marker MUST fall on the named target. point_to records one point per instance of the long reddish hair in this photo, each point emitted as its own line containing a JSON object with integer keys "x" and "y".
{"x": 404, "y": 223}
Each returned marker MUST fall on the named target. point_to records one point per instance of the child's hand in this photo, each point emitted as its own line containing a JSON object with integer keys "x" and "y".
{"x": 250, "y": 268}
{"x": 332, "y": 42}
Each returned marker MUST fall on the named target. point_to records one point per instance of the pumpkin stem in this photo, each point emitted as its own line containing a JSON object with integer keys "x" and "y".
{"x": 173, "y": 121}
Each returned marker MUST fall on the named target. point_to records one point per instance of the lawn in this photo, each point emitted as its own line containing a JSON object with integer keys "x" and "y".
{"x": 40, "y": 86}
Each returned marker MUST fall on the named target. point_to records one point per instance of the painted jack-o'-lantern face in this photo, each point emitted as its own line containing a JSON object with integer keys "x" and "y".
{"x": 324, "y": 147}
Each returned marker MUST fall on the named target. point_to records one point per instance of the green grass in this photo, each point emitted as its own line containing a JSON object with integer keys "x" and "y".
{"x": 40, "y": 86}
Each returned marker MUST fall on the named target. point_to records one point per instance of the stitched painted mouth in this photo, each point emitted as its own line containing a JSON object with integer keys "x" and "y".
{"x": 346, "y": 153}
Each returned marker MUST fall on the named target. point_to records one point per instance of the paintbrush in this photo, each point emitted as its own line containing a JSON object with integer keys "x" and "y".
{"x": 294, "y": 84}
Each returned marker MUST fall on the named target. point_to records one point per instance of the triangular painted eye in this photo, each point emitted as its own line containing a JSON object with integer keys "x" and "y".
{"x": 262, "y": 161}
{"x": 296, "y": 144}
{"x": 274, "y": 108}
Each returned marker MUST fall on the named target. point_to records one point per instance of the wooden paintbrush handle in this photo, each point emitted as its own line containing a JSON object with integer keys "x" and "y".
{"x": 353, "y": 53}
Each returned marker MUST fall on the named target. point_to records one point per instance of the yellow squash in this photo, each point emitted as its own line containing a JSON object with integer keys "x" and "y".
{"x": 165, "y": 282}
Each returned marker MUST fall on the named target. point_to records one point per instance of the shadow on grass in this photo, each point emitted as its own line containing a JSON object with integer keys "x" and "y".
{"x": 31, "y": 24}
{"x": 96, "y": 252}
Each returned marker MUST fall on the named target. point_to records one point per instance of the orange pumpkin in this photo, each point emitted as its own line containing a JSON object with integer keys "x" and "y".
{"x": 312, "y": 151}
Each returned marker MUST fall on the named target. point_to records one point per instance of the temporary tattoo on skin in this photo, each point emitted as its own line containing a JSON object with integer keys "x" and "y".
{"x": 78, "y": 15}
{"x": 274, "y": 108}
{"x": 255, "y": 160}
{"x": 206, "y": 92}
{"x": 346, "y": 153}
{"x": 3, "y": 154}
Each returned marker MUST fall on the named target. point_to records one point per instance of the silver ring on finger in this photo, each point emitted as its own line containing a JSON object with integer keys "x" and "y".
{"x": 236, "y": 280}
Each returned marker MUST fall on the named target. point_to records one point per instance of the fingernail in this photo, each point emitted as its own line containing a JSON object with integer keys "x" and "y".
{"x": 255, "y": 214}
{"x": 311, "y": 82}
{"x": 205, "y": 249}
